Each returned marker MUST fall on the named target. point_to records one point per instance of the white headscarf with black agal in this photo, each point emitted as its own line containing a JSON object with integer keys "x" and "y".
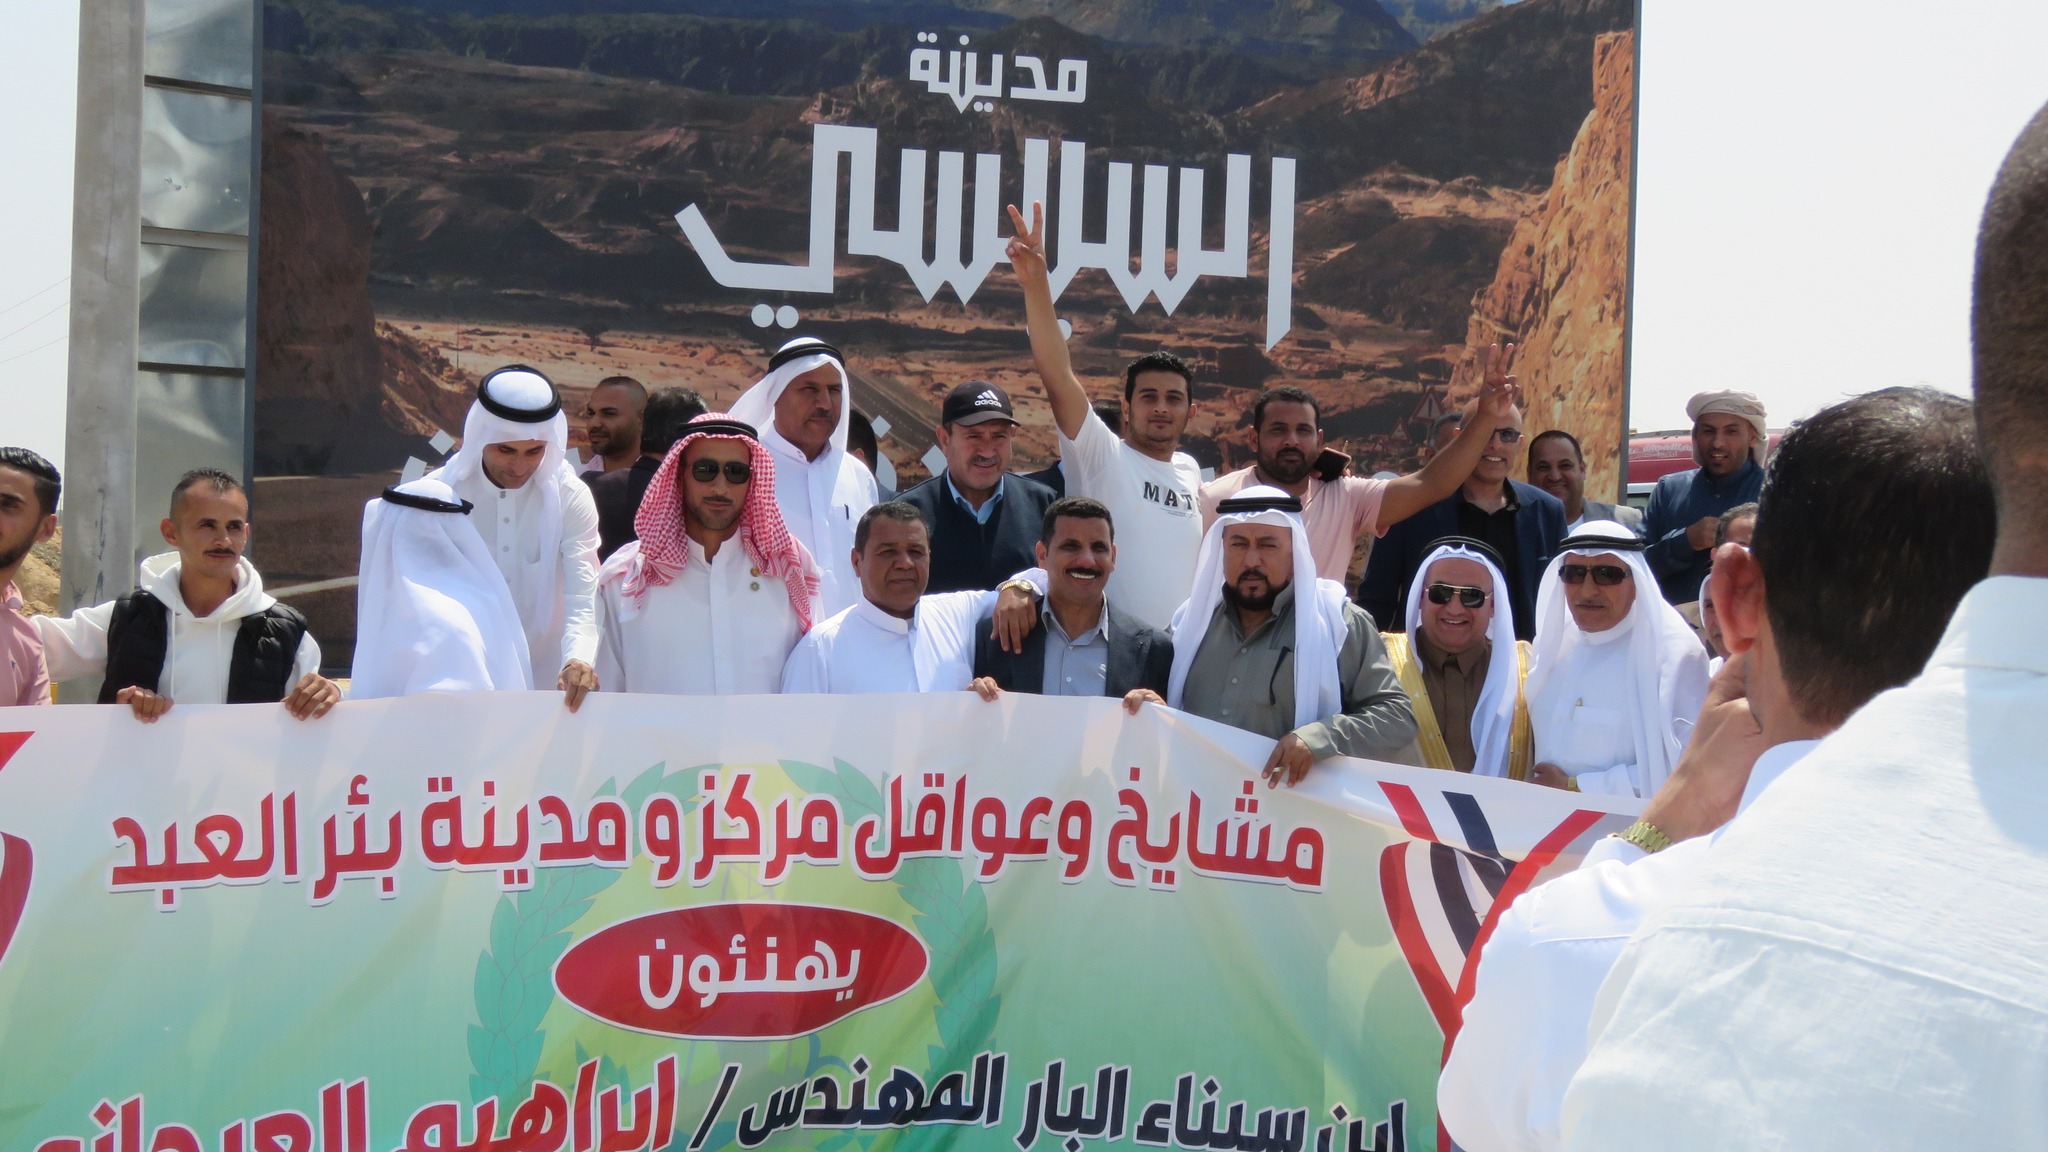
{"x": 1668, "y": 665}
{"x": 433, "y": 613}
{"x": 1319, "y": 628}
{"x": 512, "y": 404}
{"x": 1493, "y": 717}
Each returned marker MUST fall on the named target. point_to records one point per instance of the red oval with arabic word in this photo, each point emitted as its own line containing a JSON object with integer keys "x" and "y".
{"x": 747, "y": 971}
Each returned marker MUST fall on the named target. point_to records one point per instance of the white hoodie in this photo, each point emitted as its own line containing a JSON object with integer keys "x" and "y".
{"x": 201, "y": 647}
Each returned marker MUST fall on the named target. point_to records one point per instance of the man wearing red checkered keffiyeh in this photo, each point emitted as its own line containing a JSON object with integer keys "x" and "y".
{"x": 680, "y": 610}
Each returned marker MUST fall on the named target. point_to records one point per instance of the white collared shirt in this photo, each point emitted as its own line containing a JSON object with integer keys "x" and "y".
{"x": 1859, "y": 963}
{"x": 1524, "y": 1031}
{"x": 865, "y": 649}
{"x": 720, "y": 628}
{"x": 508, "y": 519}
{"x": 822, "y": 501}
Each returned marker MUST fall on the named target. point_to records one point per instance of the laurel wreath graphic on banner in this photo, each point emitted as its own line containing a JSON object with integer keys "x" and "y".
{"x": 530, "y": 930}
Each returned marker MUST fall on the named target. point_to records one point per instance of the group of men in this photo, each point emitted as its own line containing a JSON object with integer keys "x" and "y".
{"x": 748, "y": 551}
{"x": 1823, "y": 932}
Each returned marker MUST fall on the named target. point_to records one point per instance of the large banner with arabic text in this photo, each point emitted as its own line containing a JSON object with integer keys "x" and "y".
{"x": 484, "y": 924}
{"x": 1351, "y": 196}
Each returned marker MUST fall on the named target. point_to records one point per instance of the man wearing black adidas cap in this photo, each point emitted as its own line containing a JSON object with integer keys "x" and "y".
{"x": 984, "y": 519}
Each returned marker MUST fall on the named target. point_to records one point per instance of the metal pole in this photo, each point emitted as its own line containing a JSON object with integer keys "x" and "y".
{"x": 106, "y": 230}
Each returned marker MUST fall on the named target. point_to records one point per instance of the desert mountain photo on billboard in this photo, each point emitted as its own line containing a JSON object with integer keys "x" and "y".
{"x": 450, "y": 185}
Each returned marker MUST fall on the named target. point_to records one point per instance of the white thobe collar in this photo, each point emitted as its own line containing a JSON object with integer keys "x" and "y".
{"x": 1771, "y": 765}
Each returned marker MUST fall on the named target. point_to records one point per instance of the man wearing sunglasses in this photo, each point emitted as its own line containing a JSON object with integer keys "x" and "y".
{"x": 1461, "y": 665}
{"x": 715, "y": 592}
{"x": 1520, "y": 522}
{"x": 1618, "y": 675}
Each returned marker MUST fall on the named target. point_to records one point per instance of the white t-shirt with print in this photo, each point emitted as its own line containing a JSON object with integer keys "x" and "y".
{"x": 1158, "y": 513}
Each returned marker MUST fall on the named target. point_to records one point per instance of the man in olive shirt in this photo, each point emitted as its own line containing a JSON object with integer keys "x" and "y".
{"x": 1301, "y": 664}
{"x": 1464, "y": 669}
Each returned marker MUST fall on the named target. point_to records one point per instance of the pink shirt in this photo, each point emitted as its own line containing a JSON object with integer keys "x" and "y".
{"x": 24, "y": 678}
{"x": 1335, "y": 513}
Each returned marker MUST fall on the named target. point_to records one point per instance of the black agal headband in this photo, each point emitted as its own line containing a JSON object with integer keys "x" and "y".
{"x": 504, "y": 411}
{"x": 798, "y": 349}
{"x": 427, "y": 503}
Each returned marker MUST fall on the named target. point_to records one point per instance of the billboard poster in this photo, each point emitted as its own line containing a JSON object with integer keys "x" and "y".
{"x": 1348, "y": 195}
{"x": 480, "y": 922}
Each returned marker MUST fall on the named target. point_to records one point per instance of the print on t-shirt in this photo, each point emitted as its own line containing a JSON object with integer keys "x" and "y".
{"x": 1178, "y": 500}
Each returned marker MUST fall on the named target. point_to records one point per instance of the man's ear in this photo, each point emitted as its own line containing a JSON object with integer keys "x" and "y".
{"x": 1038, "y": 549}
{"x": 169, "y": 530}
{"x": 47, "y": 529}
{"x": 1738, "y": 583}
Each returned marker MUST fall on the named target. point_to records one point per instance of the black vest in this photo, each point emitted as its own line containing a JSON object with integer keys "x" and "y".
{"x": 259, "y": 672}
{"x": 967, "y": 554}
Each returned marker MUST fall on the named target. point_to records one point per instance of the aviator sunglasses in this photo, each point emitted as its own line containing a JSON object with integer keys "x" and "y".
{"x": 1605, "y": 575}
{"x": 1469, "y": 597}
{"x": 736, "y": 471}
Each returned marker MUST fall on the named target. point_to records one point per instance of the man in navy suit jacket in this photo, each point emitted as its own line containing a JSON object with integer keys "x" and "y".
{"x": 1522, "y": 523}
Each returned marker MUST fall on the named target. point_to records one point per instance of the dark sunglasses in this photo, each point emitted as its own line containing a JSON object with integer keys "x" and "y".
{"x": 736, "y": 471}
{"x": 1605, "y": 575}
{"x": 1469, "y": 597}
{"x": 1508, "y": 435}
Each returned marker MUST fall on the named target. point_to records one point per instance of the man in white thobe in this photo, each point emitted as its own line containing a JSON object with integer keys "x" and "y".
{"x": 715, "y": 592}
{"x": 1524, "y": 1033}
{"x": 802, "y": 410}
{"x": 537, "y": 519}
{"x": 433, "y": 613}
{"x": 1618, "y": 675}
{"x": 1859, "y": 962}
{"x": 897, "y": 639}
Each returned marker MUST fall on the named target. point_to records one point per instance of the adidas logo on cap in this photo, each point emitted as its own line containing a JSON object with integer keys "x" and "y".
{"x": 988, "y": 399}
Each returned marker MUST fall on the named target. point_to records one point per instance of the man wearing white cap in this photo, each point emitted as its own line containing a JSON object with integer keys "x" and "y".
{"x": 1461, "y": 665}
{"x": 715, "y": 592}
{"x": 433, "y": 612}
{"x": 1301, "y": 664}
{"x": 1729, "y": 441}
{"x": 536, "y": 518}
{"x": 1618, "y": 676}
{"x": 801, "y": 408}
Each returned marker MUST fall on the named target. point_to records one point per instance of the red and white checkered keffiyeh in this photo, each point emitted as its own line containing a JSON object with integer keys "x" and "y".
{"x": 663, "y": 548}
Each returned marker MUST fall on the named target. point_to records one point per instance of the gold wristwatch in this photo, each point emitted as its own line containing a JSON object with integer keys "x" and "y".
{"x": 1645, "y": 835}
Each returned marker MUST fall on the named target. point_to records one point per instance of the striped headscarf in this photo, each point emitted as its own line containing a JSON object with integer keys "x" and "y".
{"x": 663, "y": 548}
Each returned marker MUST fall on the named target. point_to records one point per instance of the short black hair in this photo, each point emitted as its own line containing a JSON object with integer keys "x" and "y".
{"x": 860, "y": 437}
{"x": 886, "y": 510}
{"x": 48, "y": 484}
{"x": 1876, "y": 517}
{"x": 1110, "y": 412}
{"x": 2009, "y": 327}
{"x": 1285, "y": 394}
{"x": 1157, "y": 362}
{"x": 666, "y": 420}
{"x": 1728, "y": 520}
{"x": 219, "y": 481}
{"x": 1076, "y": 508}
{"x": 1558, "y": 434}
{"x": 632, "y": 386}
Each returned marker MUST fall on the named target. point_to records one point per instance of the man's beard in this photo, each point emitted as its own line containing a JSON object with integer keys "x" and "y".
{"x": 1260, "y": 603}
{"x": 1288, "y": 470}
{"x": 12, "y": 556}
